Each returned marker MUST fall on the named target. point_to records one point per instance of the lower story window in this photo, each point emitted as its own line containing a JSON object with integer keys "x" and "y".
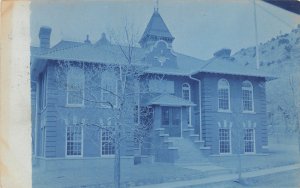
{"x": 107, "y": 142}
{"x": 74, "y": 141}
{"x": 249, "y": 141}
{"x": 224, "y": 139}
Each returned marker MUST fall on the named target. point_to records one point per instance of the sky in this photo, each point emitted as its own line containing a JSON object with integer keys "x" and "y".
{"x": 200, "y": 27}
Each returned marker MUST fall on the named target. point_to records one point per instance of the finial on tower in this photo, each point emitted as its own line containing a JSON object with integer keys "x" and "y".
{"x": 156, "y": 5}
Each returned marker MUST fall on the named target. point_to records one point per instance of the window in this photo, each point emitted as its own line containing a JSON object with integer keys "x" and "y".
{"x": 171, "y": 116}
{"x": 247, "y": 92}
{"x": 74, "y": 141}
{"x": 186, "y": 91}
{"x": 108, "y": 89}
{"x": 43, "y": 91}
{"x": 75, "y": 86}
{"x": 223, "y": 95}
{"x": 249, "y": 139}
{"x": 107, "y": 142}
{"x": 224, "y": 139}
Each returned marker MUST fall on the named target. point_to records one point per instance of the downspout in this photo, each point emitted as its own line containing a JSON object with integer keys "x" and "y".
{"x": 200, "y": 111}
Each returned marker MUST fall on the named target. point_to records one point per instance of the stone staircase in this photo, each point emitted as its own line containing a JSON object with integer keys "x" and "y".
{"x": 186, "y": 149}
{"x": 185, "y": 152}
{"x": 188, "y": 152}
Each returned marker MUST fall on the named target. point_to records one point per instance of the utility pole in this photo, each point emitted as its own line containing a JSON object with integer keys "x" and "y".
{"x": 256, "y": 35}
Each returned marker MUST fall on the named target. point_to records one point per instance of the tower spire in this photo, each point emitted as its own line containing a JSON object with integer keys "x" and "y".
{"x": 156, "y": 5}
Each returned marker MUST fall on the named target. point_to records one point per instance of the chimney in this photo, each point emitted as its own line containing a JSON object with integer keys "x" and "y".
{"x": 223, "y": 53}
{"x": 44, "y": 36}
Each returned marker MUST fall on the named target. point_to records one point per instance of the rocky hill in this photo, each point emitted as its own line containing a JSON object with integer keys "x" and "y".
{"x": 279, "y": 56}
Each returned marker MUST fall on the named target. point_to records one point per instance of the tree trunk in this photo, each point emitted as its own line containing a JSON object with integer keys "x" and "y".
{"x": 117, "y": 164}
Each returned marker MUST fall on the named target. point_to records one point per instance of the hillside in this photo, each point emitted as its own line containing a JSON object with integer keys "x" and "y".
{"x": 277, "y": 52}
{"x": 279, "y": 56}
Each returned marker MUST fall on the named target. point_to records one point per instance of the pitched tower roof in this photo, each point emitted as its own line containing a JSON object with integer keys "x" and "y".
{"x": 156, "y": 28}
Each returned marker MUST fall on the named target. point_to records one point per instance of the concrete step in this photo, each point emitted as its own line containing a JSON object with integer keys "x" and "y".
{"x": 159, "y": 131}
{"x": 187, "y": 132}
{"x": 194, "y": 137}
{"x": 199, "y": 143}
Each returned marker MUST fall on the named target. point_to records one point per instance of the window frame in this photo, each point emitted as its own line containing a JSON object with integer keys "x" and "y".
{"x": 187, "y": 87}
{"x": 244, "y": 88}
{"x": 253, "y": 141}
{"x": 101, "y": 145}
{"x": 83, "y": 88}
{"x": 227, "y": 87}
{"x": 66, "y": 142}
{"x": 229, "y": 140}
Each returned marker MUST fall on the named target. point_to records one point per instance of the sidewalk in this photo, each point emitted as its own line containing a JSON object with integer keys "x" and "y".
{"x": 222, "y": 178}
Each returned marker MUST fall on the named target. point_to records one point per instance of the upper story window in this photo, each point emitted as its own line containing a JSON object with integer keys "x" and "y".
{"x": 223, "y": 95}
{"x": 247, "y": 92}
{"x": 43, "y": 90}
{"x": 186, "y": 91}
{"x": 75, "y": 86}
{"x": 109, "y": 89}
{"x": 161, "y": 86}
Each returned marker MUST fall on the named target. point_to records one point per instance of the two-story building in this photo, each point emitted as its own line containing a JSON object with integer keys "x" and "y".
{"x": 213, "y": 107}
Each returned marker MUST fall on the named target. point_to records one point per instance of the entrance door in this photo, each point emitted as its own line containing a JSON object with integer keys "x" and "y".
{"x": 171, "y": 121}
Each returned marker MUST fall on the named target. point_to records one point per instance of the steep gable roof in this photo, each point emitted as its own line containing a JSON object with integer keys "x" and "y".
{"x": 157, "y": 27}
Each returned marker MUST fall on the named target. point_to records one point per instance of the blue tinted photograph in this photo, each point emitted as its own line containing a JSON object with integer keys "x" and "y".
{"x": 165, "y": 93}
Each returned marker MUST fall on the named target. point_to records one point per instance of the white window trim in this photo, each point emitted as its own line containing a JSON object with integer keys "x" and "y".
{"x": 252, "y": 102}
{"x": 83, "y": 92}
{"x": 229, "y": 96}
{"x": 101, "y": 155}
{"x": 230, "y": 146}
{"x": 66, "y": 139}
{"x": 254, "y": 143}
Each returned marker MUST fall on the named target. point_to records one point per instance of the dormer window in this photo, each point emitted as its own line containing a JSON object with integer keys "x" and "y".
{"x": 223, "y": 95}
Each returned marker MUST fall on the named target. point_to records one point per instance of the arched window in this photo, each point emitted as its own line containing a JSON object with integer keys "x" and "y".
{"x": 247, "y": 92}
{"x": 223, "y": 95}
{"x": 186, "y": 91}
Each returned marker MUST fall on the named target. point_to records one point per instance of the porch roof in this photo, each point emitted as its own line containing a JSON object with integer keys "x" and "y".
{"x": 169, "y": 100}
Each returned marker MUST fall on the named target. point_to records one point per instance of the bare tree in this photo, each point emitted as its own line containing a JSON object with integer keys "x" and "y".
{"x": 115, "y": 86}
